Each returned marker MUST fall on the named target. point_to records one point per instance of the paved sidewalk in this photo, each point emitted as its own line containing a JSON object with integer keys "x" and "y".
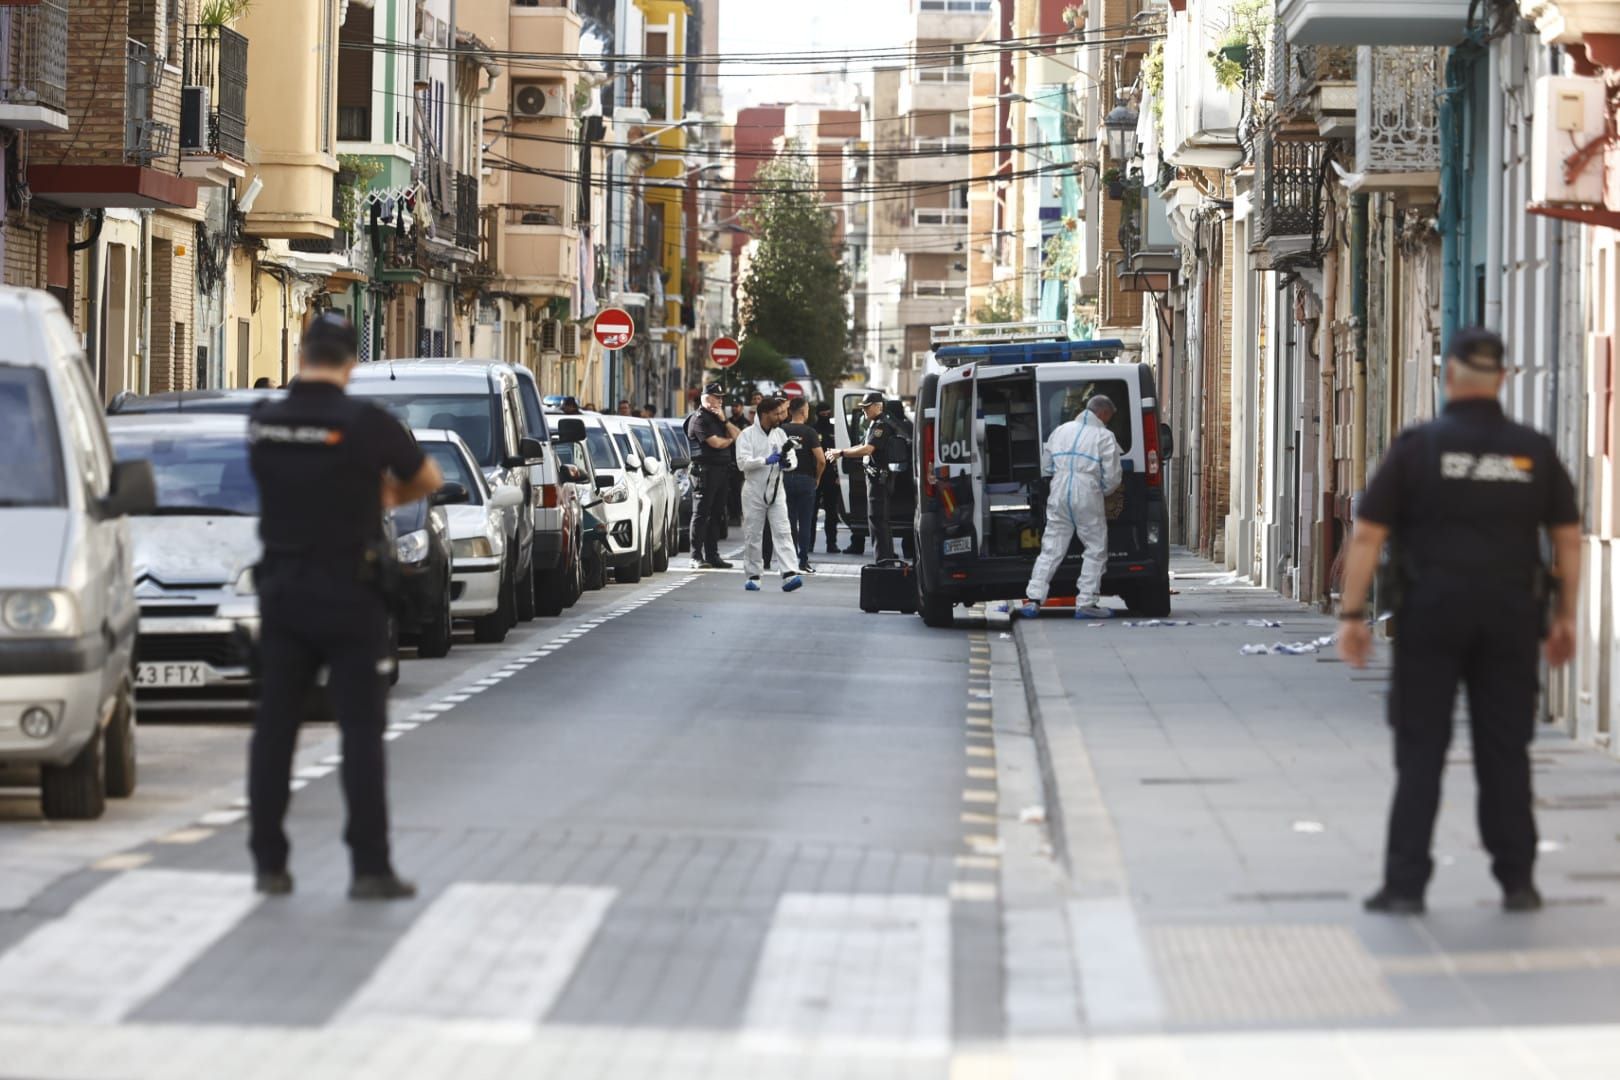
{"x": 1222, "y": 815}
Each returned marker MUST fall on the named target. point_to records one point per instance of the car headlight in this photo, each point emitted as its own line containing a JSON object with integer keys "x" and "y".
{"x": 412, "y": 547}
{"x": 42, "y": 611}
{"x": 476, "y": 547}
{"x": 618, "y": 493}
{"x": 245, "y": 584}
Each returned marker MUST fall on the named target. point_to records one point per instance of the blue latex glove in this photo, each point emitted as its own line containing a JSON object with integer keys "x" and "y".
{"x": 774, "y": 458}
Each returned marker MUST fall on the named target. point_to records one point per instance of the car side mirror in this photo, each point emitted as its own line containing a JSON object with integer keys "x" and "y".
{"x": 1167, "y": 443}
{"x": 449, "y": 495}
{"x": 604, "y": 482}
{"x": 506, "y": 497}
{"x": 531, "y": 449}
{"x": 132, "y": 490}
{"x": 569, "y": 429}
{"x": 652, "y": 466}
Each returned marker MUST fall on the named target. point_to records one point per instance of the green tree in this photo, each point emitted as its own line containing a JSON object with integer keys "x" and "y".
{"x": 795, "y": 294}
{"x": 1003, "y": 305}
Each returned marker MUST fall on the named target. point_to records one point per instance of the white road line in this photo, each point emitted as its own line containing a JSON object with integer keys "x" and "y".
{"x": 119, "y": 945}
{"x": 484, "y": 954}
{"x": 437, "y": 707}
{"x": 854, "y": 971}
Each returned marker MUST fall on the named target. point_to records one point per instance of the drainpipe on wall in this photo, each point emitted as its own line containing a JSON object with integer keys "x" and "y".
{"x": 1326, "y": 466}
{"x": 1453, "y": 116}
{"x": 146, "y": 301}
{"x": 92, "y": 318}
{"x": 1495, "y": 213}
{"x": 1358, "y": 312}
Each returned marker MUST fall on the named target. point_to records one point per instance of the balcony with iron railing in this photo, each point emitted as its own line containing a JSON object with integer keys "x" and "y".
{"x": 216, "y": 63}
{"x": 1315, "y": 83}
{"x": 146, "y": 138}
{"x": 1397, "y": 118}
{"x": 1288, "y": 197}
{"x": 33, "y": 83}
{"x": 467, "y": 231}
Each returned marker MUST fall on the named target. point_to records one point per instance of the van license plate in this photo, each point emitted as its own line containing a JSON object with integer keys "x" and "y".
{"x": 962, "y": 545}
{"x": 156, "y": 675}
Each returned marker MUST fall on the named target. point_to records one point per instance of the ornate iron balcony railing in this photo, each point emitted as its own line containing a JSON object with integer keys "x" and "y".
{"x": 1289, "y": 186}
{"x": 40, "y": 45}
{"x": 1397, "y": 113}
{"x": 216, "y": 57}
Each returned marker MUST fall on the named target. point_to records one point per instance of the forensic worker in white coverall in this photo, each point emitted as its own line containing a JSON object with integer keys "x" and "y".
{"x": 760, "y": 451}
{"x": 1082, "y": 458}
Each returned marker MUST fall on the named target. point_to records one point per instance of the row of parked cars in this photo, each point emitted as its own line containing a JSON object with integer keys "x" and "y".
{"x": 131, "y": 538}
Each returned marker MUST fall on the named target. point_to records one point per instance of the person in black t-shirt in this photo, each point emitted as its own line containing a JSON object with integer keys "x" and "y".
{"x": 828, "y": 493}
{"x": 327, "y": 465}
{"x": 1464, "y": 500}
{"x": 802, "y": 481}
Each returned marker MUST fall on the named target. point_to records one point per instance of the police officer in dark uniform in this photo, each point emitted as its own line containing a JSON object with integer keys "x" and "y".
{"x": 829, "y": 495}
{"x": 882, "y": 435}
{"x": 712, "y": 435}
{"x": 1464, "y": 500}
{"x": 327, "y": 465}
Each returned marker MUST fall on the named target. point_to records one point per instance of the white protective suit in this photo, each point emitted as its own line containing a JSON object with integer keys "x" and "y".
{"x": 1082, "y": 458}
{"x": 763, "y": 501}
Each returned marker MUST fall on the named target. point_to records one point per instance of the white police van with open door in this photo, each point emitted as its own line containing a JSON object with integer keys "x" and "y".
{"x": 992, "y": 395}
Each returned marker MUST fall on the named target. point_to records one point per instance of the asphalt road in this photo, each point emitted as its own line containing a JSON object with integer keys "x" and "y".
{"x": 685, "y": 809}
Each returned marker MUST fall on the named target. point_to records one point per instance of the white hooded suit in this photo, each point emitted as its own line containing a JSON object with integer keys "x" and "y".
{"x": 764, "y": 503}
{"x": 1082, "y": 458}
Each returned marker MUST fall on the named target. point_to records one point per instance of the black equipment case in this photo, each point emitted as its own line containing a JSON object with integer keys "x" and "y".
{"x": 889, "y": 585}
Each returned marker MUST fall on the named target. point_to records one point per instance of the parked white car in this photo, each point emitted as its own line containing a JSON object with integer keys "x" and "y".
{"x": 478, "y": 562}
{"x": 623, "y": 500}
{"x": 665, "y": 487}
{"x": 67, "y": 596}
{"x": 194, "y": 554}
{"x": 658, "y": 493}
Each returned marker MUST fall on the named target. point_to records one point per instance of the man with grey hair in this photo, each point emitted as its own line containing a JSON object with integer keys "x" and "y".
{"x": 1082, "y": 459}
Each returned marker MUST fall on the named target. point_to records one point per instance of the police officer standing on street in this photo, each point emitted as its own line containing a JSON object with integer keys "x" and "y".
{"x": 882, "y": 437}
{"x": 1463, "y": 501}
{"x": 712, "y": 435}
{"x": 327, "y": 465}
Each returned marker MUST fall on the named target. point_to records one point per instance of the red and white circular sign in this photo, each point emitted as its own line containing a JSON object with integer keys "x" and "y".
{"x": 613, "y": 328}
{"x": 794, "y": 389}
{"x": 723, "y": 351}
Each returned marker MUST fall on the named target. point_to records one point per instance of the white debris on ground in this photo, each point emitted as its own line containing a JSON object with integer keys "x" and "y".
{"x": 1293, "y": 648}
{"x": 1309, "y": 827}
{"x": 1032, "y": 815}
{"x": 1137, "y": 624}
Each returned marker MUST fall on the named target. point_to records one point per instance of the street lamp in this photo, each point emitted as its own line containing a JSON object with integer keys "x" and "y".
{"x": 1119, "y": 126}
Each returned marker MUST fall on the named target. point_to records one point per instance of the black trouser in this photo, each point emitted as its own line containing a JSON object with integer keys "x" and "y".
{"x": 832, "y": 504}
{"x": 314, "y": 616}
{"x": 801, "y": 497}
{"x": 1486, "y": 638}
{"x": 734, "y": 480}
{"x": 877, "y": 513}
{"x": 712, "y": 492}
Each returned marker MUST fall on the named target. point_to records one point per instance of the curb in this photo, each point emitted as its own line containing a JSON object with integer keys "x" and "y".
{"x": 1081, "y": 827}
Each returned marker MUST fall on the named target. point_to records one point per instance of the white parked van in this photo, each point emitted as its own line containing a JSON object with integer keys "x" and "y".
{"x": 67, "y": 599}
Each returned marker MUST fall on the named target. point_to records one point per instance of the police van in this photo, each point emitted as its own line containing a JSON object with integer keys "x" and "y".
{"x": 991, "y": 396}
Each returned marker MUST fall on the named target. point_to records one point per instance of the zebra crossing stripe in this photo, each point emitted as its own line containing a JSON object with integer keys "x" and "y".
{"x": 491, "y": 956}
{"x": 119, "y": 945}
{"x": 859, "y": 973}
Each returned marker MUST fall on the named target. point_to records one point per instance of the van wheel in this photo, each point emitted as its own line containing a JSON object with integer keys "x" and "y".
{"x": 661, "y": 555}
{"x": 433, "y": 640}
{"x": 1149, "y": 598}
{"x": 936, "y": 611}
{"x": 574, "y": 584}
{"x": 76, "y": 791}
{"x": 526, "y": 590}
{"x": 120, "y": 748}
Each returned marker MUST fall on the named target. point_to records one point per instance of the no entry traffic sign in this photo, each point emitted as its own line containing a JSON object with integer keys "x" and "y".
{"x": 613, "y": 328}
{"x": 724, "y": 352}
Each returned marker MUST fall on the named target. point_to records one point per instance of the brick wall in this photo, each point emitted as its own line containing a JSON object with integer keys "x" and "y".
{"x": 173, "y": 296}
{"x": 96, "y": 85}
{"x": 25, "y": 251}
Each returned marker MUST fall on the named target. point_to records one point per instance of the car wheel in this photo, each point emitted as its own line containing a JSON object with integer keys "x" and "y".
{"x": 76, "y": 791}
{"x": 120, "y": 747}
{"x": 524, "y": 593}
{"x": 549, "y": 591}
{"x": 433, "y": 640}
{"x": 936, "y": 611}
{"x": 596, "y": 568}
{"x": 1149, "y": 598}
{"x": 628, "y": 573}
{"x": 647, "y": 561}
{"x": 491, "y": 629}
{"x": 661, "y": 554}
{"x": 574, "y": 588}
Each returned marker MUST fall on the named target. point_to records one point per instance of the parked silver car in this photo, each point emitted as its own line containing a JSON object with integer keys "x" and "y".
{"x": 194, "y": 554}
{"x": 67, "y": 597}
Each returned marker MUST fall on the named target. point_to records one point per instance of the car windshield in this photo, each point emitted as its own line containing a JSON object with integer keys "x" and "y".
{"x": 601, "y": 448}
{"x": 456, "y": 470}
{"x": 30, "y": 451}
{"x": 534, "y": 417}
{"x": 194, "y": 474}
{"x": 648, "y": 441}
{"x": 467, "y": 415}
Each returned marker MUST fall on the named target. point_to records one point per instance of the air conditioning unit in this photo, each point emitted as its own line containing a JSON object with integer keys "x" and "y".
{"x": 194, "y": 118}
{"x": 539, "y": 100}
{"x": 1569, "y": 119}
{"x": 550, "y": 335}
{"x": 423, "y": 62}
{"x": 570, "y": 339}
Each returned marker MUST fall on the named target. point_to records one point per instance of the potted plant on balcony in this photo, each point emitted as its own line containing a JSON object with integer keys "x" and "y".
{"x": 1245, "y": 37}
{"x": 1115, "y": 181}
{"x": 222, "y": 12}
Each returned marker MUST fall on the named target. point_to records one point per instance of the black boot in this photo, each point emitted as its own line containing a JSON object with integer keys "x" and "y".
{"x": 1384, "y": 902}
{"x": 381, "y": 887}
